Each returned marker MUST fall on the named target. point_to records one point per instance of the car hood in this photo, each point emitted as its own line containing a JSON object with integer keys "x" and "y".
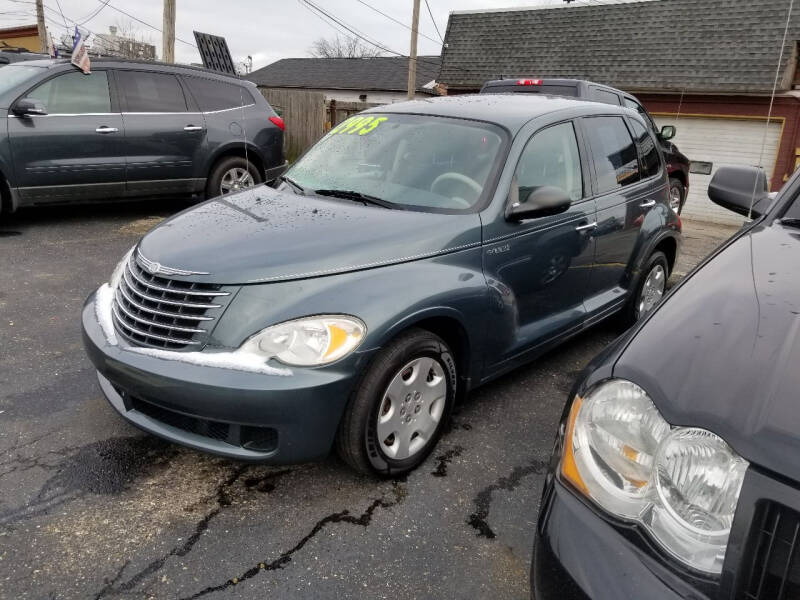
{"x": 264, "y": 235}
{"x": 723, "y": 353}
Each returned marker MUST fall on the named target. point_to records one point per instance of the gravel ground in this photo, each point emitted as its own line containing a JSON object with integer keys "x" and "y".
{"x": 92, "y": 508}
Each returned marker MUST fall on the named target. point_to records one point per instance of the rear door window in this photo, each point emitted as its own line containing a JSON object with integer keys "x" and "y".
{"x": 151, "y": 92}
{"x": 74, "y": 93}
{"x": 214, "y": 95}
{"x": 648, "y": 153}
{"x": 616, "y": 162}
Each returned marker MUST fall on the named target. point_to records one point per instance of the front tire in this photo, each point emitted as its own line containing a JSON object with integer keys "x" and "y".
{"x": 396, "y": 415}
{"x": 231, "y": 174}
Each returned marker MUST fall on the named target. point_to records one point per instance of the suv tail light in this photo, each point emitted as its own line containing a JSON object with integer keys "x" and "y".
{"x": 279, "y": 122}
{"x": 529, "y": 82}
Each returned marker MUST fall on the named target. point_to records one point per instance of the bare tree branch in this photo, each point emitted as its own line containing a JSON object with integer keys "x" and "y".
{"x": 346, "y": 47}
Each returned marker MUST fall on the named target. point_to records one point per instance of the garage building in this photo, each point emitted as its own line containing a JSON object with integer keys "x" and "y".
{"x": 706, "y": 66}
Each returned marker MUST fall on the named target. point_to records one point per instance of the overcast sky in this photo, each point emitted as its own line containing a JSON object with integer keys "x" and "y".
{"x": 265, "y": 29}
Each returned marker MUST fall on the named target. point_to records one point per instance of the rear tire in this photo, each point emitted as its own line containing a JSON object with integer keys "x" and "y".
{"x": 677, "y": 194}
{"x": 227, "y": 171}
{"x": 392, "y": 422}
{"x": 650, "y": 289}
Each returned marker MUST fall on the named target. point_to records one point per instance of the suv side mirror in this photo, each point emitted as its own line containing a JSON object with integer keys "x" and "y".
{"x": 668, "y": 132}
{"x": 26, "y": 107}
{"x": 540, "y": 202}
{"x": 735, "y": 188}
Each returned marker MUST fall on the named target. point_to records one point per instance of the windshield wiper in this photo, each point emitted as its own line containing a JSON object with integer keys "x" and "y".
{"x": 296, "y": 186}
{"x": 357, "y": 196}
{"x": 791, "y": 222}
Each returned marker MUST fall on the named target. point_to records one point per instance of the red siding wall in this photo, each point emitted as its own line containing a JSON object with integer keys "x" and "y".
{"x": 786, "y": 108}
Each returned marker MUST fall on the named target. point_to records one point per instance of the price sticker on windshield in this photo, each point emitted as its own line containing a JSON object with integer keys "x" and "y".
{"x": 360, "y": 125}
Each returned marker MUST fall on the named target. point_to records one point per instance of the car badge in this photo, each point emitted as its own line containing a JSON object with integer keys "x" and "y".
{"x": 156, "y": 268}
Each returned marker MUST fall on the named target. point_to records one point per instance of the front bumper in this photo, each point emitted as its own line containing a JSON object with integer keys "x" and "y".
{"x": 579, "y": 555}
{"x": 243, "y": 415}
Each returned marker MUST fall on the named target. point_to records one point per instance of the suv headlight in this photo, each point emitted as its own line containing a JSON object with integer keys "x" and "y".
{"x": 310, "y": 341}
{"x": 116, "y": 275}
{"x": 681, "y": 484}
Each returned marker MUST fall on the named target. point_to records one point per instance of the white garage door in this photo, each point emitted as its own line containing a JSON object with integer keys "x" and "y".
{"x": 722, "y": 142}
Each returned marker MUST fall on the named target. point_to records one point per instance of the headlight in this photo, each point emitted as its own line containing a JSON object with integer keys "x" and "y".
{"x": 116, "y": 275}
{"x": 681, "y": 484}
{"x": 309, "y": 341}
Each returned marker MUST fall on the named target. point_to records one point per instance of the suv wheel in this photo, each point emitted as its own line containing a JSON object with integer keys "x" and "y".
{"x": 676, "y": 194}
{"x": 230, "y": 175}
{"x": 396, "y": 415}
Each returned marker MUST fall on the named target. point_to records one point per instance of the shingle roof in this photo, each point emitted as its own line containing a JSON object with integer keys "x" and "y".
{"x": 658, "y": 45}
{"x": 383, "y": 73}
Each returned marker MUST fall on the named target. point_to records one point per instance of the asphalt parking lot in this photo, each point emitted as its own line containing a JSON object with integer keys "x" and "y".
{"x": 92, "y": 508}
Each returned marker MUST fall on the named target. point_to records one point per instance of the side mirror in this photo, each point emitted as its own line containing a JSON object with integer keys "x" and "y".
{"x": 540, "y": 202}
{"x": 736, "y": 188}
{"x": 668, "y": 132}
{"x": 26, "y": 107}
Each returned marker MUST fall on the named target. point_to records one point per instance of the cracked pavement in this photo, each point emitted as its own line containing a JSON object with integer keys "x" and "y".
{"x": 92, "y": 508}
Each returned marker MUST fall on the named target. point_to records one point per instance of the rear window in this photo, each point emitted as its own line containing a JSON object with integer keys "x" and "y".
{"x": 613, "y": 151}
{"x": 552, "y": 90}
{"x": 214, "y": 95}
{"x": 151, "y": 92}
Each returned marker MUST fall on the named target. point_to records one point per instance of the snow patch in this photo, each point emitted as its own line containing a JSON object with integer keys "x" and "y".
{"x": 102, "y": 310}
{"x": 237, "y": 360}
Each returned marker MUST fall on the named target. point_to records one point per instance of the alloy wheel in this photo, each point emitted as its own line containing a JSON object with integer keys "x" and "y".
{"x": 675, "y": 198}
{"x": 652, "y": 291}
{"x": 411, "y": 408}
{"x": 235, "y": 179}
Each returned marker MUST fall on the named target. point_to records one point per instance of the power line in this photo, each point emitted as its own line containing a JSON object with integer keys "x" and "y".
{"x": 391, "y": 18}
{"x": 435, "y": 26}
{"x": 93, "y": 14}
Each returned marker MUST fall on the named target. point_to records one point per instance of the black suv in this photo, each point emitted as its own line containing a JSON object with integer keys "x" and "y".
{"x": 677, "y": 163}
{"x": 131, "y": 129}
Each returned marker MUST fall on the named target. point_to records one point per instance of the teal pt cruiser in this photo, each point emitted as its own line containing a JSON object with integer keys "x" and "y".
{"x": 414, "y": 253}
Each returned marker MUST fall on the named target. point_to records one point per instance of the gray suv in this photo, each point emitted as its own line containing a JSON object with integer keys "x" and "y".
{"x": 131, "y": 129}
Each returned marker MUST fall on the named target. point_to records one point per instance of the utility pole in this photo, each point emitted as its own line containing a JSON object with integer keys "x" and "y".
{"x": 168, "y": 37}
{"x": 412, "y": 55}
{"x": 40, "y": 25}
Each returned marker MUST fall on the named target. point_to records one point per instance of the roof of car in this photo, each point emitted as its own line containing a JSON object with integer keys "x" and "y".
{"x": 150, "y": 64}
{"x": 511, "y": 111}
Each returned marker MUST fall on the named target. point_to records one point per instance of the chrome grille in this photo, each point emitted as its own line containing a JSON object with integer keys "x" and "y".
{"x": 165, "y": 313}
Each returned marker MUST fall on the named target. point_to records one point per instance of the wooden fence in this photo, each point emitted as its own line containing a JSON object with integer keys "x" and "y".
{"x": 308, "y": 116}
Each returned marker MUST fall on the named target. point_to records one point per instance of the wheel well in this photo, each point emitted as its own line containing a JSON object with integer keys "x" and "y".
{"x": 454, "y": 334}
{"x": 5, "y": 195}
{"x": 253, "y": 157}
{"x": 670, "y": 249}
{"x": 679, "y": 175}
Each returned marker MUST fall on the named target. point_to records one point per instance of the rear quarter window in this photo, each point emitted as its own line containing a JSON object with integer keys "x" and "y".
{"x": 214, "y": 95}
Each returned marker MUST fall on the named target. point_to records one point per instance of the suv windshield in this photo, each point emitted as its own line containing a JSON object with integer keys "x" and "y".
{"x": 414, "y": 161}
{"x": 13, "y": 75}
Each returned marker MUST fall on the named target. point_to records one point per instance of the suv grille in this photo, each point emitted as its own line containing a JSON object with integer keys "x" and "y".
{"x": 165, "y": 313}
{"x": 775, "y": 570}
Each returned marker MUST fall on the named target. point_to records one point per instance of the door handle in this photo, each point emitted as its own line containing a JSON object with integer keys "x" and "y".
{"x": 586, "y": 227}
{"x": 648, "y": 204}
{"x": 193, "y": 128}
{"x": 104, "y": 129}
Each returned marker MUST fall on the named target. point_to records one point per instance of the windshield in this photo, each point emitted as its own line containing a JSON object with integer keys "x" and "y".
{"x": 407, "y": 160}
{"x": 12, "y": 75}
